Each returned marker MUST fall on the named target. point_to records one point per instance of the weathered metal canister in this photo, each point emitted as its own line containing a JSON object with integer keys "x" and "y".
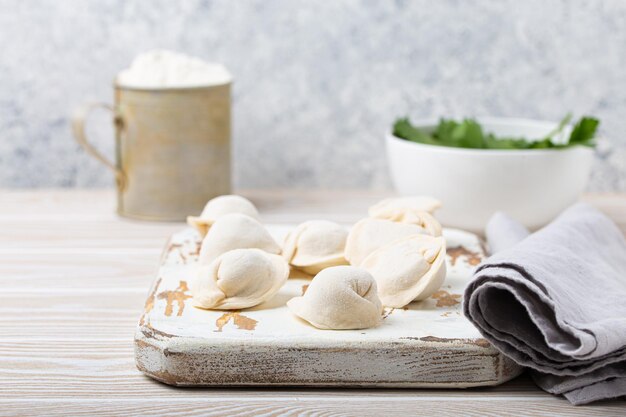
{"x": 172, "y": 149}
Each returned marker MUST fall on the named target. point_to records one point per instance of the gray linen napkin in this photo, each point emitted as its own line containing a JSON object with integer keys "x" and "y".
{"x": 555, "y": 302}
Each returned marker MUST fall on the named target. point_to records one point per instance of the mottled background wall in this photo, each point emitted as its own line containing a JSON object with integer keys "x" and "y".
{"x": 317, "y": 82}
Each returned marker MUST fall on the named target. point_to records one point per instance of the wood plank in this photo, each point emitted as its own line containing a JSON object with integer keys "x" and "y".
{"x": 418, "y": 404}
{"x": 84, "y": 312}
{"x": 114, "y": 234}
{"x": 96, "y": 270}
{"x": 275, "y": 204}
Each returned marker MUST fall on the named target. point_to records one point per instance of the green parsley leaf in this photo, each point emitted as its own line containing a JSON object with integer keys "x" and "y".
{"x": 584, "y": 132}
{"x": 403, "y": 128}
{"x": 468, "y": 133}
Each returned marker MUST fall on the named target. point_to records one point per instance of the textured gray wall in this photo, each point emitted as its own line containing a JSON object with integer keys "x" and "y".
{"x": 317, "y": 82}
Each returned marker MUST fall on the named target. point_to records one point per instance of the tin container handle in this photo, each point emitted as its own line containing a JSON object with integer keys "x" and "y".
{"x": 78, "y": 127}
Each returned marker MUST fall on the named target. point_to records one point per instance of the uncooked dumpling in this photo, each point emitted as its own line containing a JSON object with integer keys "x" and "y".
{"x": 235, "y": 231}
{"x": 423, "y": 219}
{"x": 412, "y": 268}
{"x": 418, "y": 203}
{"x": 414, "y": 210}
{"x": 370, "y": 234}
{"x": 240, "y": 278}
{"x": 315, "y": 245}
{"x": 339, "y": 298}
{"x": 219, "y": 206}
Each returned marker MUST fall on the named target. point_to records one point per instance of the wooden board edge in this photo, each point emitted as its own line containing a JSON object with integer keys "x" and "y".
{"x": 158, "y": 355}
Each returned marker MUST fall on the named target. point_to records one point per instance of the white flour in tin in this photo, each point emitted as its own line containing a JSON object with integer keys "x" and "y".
{"x": 166, "y": 69}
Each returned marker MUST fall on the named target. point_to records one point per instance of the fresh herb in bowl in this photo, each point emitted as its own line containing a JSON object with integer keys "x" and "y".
{"x": 468, "y": 133}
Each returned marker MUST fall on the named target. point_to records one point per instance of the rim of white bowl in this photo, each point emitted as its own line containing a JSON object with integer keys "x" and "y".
{"x": 491, "y": 121}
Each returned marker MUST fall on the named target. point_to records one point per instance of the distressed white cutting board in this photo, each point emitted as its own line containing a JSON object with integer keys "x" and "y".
{"x": 426, "y": 344}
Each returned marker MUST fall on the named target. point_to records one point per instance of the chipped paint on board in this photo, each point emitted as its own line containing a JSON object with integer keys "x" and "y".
{"x": 179, "y": 295}
{"x": 239, "y": 320}
{"x": 445, "y": 299}
{"x": 149, "y": 304}
{"x": 387, "y": 312}
{"x": 473, "y": 258}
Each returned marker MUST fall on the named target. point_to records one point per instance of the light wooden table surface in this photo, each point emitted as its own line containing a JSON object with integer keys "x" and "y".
{"x": 73, "y": 280}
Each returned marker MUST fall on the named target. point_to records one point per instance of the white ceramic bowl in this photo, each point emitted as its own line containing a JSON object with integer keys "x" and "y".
{"x": 533, "y": 186}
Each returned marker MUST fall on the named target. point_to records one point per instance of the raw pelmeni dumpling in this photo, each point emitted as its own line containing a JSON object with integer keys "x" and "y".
{"x": 219, "y": 206}
{"x": 413, "y": 210}
{"x": 339, "y": 298}
{"x": 423, "y": 219}
{"x": 415, "y": 203}
{"x": 315, "y": 245}
{"x": 240, "y": 278}
{"x": 412, "y": 268}
{"x": 369, "y": 234}
{"x": 235, "y": 231}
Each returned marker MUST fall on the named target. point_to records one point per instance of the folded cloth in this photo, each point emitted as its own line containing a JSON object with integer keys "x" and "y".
{"x": 502, "y": 232}
{"x": 555, "y": 302}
